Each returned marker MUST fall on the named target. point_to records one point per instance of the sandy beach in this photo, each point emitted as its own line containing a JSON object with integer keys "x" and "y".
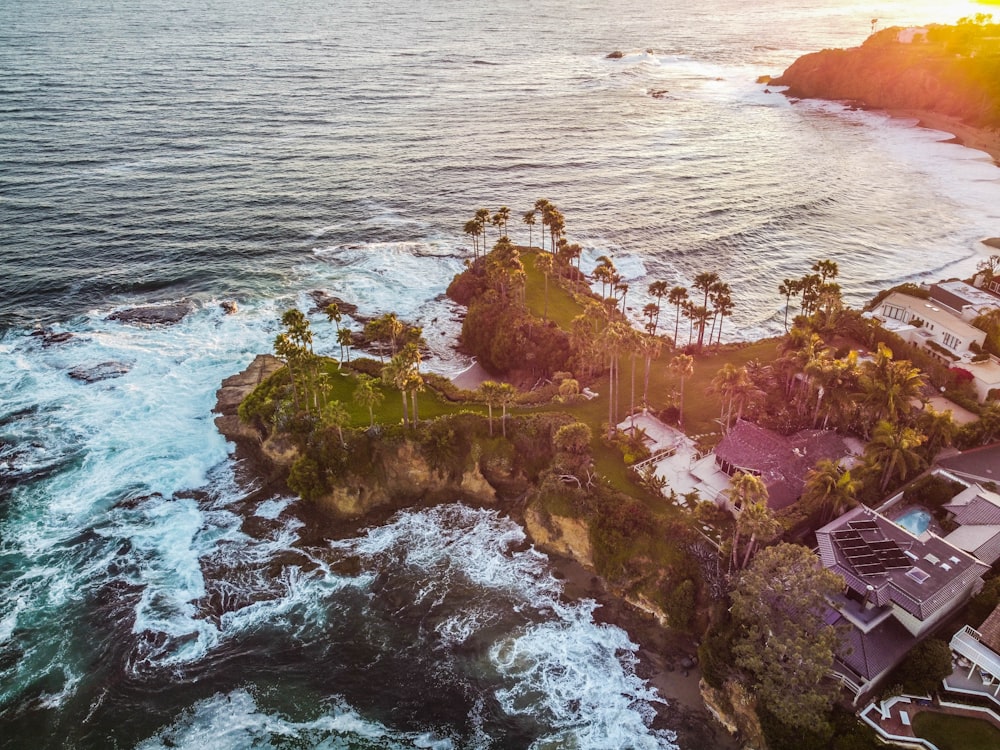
{"x": 472, "y": 377}
{"x": 964, "y": 135}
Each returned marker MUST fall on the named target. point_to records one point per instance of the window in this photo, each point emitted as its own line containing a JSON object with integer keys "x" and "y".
{"x": 896, "y": 313}
{"x": 952, "y": 342}
{"x": 917, "y": 575}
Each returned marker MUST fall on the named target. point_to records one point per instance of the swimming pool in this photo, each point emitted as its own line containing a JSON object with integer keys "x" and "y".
{"x": 915, "y": 520}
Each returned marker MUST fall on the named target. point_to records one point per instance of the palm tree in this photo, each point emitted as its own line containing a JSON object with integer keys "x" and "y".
{"x": 474, "y": 228}
{"x": 889, "y": 386}
{"x": 483, "y": 218}
{"x": 650, "y": 311}
{"x": 733, "y": 384}
{"x": 613, "y": 339}
{"x": 529, "y": 219}
{"x": 490, "y": 392}
{"x": 704, "y": 281}
{"x": 827, "y": 269}
{"x": 503, "y": 214}
{"x": 544, "y": 263}
{"x": 658, "y": 289}
{"x": 543, "y": 207}
{"x": 745, "y": 490}
{"x": 506, "y": 393}
{"x": 759, "y": 522}
{"x": 677, "y": 296}
{"x": 650, "y": 346}
{"x": 892, "y": 450}
{"x": 345, "y": 340}
{"x": 830, "y": 487}
{"x": 788, "y": 287}
{"x": 722, "y": 306}
{"x": 367, "y": 395}
{"x": 682, "y": 366}
{"x": 396, "y": 373}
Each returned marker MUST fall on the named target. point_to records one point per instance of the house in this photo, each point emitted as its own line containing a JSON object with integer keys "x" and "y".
{"x": 976, "y": 510}
{"x": 912, "y": 34}
{"x": 899, "y": 588}
{"x": 781, "y": 462}
{"x": 980, "y": 465}
{"x": 964, "y": 300}
{"x": 930, "y": 326}
{"x": 977, "y": 652}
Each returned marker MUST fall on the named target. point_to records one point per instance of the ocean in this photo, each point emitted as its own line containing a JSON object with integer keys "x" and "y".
{"x": 157, "y": 151}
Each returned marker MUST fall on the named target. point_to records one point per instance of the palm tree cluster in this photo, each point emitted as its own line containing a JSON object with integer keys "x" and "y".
{"x": 817, "y": 291}
{"x": 310, "y": 382}
{"x": 716, "y": 305}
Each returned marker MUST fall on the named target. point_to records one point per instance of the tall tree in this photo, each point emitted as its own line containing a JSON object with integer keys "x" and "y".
{"x": 759, "y": 524}
{"x": 544, "y": 207}
{"x": 473, "y": 228}
{"x": 788, "y": 287}
{"x": 368, "y": 396}
{"x": 345, "y": 340}
{"x": 779, "y": 605}
{"x": 893, "y": 451}
{"x": 506, "y": 393}
{"x": 704, "y": 282}
{"x": 745, "y": 490}
{"x": 889, "y": 386}
{"x": 529, "y": 219}
{"x": 501, "y": 217}
{"x": 677, "y": 296}
{"x": 830, "y": 487}
{"x": 544, "y": 263}
{"x": 490, "y": 392}
{"x": 659, "y": 290}
{"x": 483, "y": 218}
{"x": 682, "y": 366}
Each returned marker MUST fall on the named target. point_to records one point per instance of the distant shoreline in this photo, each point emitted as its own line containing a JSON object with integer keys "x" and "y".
{"x": 980, "y": 139}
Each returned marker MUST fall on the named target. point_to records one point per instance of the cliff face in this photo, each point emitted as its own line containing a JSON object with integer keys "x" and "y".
{"x": 886, "y": 74}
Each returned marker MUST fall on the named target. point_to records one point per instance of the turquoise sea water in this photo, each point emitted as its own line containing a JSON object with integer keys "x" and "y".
{"x": 156, "y": 151}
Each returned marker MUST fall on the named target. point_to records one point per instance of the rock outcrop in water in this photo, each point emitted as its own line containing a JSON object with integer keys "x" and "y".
{"x": 401, "y": 476}
{"x": 175, "y": 312}
{"x": 949, "y": 71}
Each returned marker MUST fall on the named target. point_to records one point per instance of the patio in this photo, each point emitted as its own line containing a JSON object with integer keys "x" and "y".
{"x": 676, "y": 459}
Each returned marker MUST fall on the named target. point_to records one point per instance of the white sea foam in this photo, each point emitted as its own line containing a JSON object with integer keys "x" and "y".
{"x": 408, "y": 278}
{"x": 234, "y": 721}
{"x": 575, "y": 677}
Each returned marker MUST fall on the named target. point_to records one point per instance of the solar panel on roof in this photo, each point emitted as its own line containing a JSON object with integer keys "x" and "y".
{"x": 863, "y": 525}
{"x": 883, "y": 545}
{"x": 869, "y": 570}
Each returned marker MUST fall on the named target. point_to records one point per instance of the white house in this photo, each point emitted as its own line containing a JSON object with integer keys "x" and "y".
{"x": 927, "y": 324}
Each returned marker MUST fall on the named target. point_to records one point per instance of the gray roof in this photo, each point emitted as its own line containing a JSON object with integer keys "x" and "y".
{"x": 979, "y": 464}
{"x": 870, "y": 655}
{"x": 782, "y": 462}
{"x": 935, "y": 575}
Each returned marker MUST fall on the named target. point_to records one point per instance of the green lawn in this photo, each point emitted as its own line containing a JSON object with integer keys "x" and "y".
{"x": 390, "y": 411}
{"x": 562, "y": 308}
{"x": 950, "y": 732}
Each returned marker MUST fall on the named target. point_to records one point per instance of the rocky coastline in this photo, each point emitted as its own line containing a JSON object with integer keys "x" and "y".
{"x": 908, "y": 79}
{"x": 666, "y": 658}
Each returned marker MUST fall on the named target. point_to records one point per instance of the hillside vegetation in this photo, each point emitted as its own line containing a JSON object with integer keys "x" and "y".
{"x": 949, "y": 70}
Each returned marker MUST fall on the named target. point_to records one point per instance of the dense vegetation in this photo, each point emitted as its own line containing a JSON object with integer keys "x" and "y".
{"x": 949, "y": 70}
{"x": 533, "y": 316}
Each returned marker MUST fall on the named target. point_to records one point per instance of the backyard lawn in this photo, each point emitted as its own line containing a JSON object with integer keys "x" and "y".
{"x": 951, "y": 732}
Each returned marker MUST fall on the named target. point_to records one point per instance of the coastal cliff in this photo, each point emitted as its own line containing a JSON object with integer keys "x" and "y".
{"x": 944, "y": 72}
